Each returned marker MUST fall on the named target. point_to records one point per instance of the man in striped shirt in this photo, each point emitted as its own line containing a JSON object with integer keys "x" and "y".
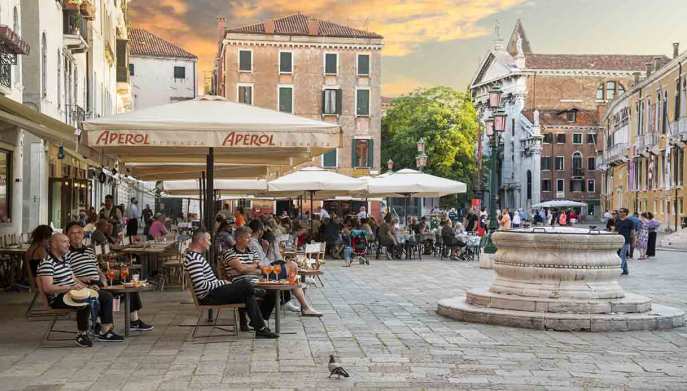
{"x": 56, "y": 278}
{"x": 210, "y": 290}
{"x": 85, "y": 266}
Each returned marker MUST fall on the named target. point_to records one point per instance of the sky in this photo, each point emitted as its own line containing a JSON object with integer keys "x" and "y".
{"x": 436, "y": 42}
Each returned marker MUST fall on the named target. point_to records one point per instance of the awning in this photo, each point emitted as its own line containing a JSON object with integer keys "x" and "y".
{"x": 37, "y": 123}
{"x": 173, "y": 171}
{"x": 222, "y": 186}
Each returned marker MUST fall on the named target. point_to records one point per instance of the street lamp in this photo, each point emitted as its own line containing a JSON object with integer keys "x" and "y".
{"x": 495, "y": 125}
{"x": 421, "y": 158}
{"x": 390, "y": 165}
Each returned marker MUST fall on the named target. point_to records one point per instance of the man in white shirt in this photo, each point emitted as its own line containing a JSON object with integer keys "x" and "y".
{"x": 323, "y": 214}
{"x": 362, "y": 214}
{"x": 133, "y": 214}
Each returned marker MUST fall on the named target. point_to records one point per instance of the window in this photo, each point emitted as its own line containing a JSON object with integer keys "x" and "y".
{"x": 591, "y": 186}
{"x": 577, "y": 185}
{"x": 546, "y": 163}
{"x": 571, "y": 115}
{"x": 331, "y": 63}
{"x": 548, "y": 138}
{"x": 529, "y": 184}
{"x": 591, "y": 139}
{"x": 560, "y": 138}
{"x": 179, "y": 72}
{"x": 285, "y": 62}
{"x": 559, "y": 163}
{"x": 329, "y": 159}
{"x": 577, "y": 138}
{"x": 577, "y": 164}
{"x": 362, "y": 153}
{"x": 131, "y": 69}
{"x": 600, "y": 92}
{"x": 546, "y": 185}
{"x": 44, "y": 66}
{"x": 245, "y": 94}
{"x": 560, "y": 185}
{"x": 331, "y": 101}
{"x": 591, "y": 163}
{"x": 245, "y": 61}
{"x": 285, "y": 103}
{"x": 362, "y": 102}
{"x": 363, "y": 65}
{"x": 610, "y": 90}
{"x": 5, "y": 185}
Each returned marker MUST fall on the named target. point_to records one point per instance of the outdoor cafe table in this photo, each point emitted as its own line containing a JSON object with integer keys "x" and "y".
{"x": 276, "y": 288}
{"x": 146, "y": 253}
{"x": 11, "y": 262}
{"x": 126, "y": 291}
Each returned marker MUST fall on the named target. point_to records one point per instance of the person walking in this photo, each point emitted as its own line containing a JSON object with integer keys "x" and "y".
{"x": 652, "y": 227}
{"x": 147, "y": 219}
{"x": 563, "y": 219}
{"x": 642, "y": 236}
{"x": 504, "y": 221}
{"x": 625, "y": 227}
{"x": 133, "y": 214}
{"x": 517, "y": 219}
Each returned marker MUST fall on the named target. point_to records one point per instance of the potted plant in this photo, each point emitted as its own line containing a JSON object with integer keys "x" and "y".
{"x": 88, "y": 9}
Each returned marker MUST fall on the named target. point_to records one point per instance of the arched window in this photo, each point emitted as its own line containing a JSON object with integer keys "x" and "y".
{"x": 529, "y": 184}
{"x": 610, "y": 90}
{"x": 600, "y": 92}
{"x": 577, "y": 164}
{"x": 44, "y": 66}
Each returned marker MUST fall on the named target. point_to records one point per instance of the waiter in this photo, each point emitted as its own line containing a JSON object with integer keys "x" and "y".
{"x": 133, "y": 214}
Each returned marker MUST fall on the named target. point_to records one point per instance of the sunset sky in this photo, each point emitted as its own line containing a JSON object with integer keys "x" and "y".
{"x": 435, "y": 42}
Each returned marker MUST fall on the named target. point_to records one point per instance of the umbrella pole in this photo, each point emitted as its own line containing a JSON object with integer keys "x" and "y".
{"x": 311, "y": 216}
{"x": 201, "y": 197}
{"x": 210, "y": 197}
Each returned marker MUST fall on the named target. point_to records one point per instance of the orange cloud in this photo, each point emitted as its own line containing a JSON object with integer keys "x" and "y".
{"x": 401, "y": 86}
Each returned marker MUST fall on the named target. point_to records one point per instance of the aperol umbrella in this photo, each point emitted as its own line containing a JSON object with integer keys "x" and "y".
{"x": 209, "y": 130}
{"x": 222, "y": 186}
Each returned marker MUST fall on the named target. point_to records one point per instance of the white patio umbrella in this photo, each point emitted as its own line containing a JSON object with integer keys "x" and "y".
{"x": 413, "y": 183}
{"x": 316, "y": 180}
{"x": 559, "y": 204}
{"x": 223, "y": 186}
{"x": 209, "y": 130}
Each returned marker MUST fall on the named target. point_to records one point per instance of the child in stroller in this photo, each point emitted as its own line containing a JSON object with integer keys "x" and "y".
{"x": 359, "y": 246}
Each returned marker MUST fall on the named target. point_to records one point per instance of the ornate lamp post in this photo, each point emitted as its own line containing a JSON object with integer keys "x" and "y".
{"x": 421, "y": 158}
{"x": 390, "y": 165}
{"x": 494, "y": 126}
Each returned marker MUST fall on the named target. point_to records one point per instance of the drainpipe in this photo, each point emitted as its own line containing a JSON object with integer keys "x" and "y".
{"x": 675, "y": 154}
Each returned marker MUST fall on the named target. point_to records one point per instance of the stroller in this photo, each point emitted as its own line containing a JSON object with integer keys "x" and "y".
{"x": 359, "y": 246}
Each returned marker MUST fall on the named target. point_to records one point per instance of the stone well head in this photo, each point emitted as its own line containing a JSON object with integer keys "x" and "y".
{"x": 557, "y": 262}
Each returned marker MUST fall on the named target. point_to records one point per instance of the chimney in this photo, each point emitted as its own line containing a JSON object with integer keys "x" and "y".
{"x": 636, "y": 76}
{"x": 649, "y": 68}
{"x": 676, "y": 49}
{"x": 269, "y": 27}
{"x": 221, "y": 26}
{"x": 658, "y": 63}
{"x": 313, "y": 26}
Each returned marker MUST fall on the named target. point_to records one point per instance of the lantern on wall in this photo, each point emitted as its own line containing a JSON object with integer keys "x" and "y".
{"x": 500, "y": 120}
{"x": 494, "y": 97}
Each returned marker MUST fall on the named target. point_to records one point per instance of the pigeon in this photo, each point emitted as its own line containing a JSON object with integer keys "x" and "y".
{"x": 336, "y": 369}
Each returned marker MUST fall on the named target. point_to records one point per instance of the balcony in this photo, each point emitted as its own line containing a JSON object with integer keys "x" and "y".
{"x": 616, "y": 153}
{"x": 74, "y": 29}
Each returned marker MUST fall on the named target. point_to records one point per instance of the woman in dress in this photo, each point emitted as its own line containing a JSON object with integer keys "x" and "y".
{"x": 652, "y": 226}
{"x": 643, "y": 236}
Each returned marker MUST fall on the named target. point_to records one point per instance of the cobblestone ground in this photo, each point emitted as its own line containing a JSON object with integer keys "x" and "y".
{"x": 380, "y": 321}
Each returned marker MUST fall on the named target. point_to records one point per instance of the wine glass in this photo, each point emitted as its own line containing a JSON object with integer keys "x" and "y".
{"x": 124, "y": 273}
{"x": 110, "y": 275}
{"x": 276, "y": 269}
{"x": 266, "y": 270}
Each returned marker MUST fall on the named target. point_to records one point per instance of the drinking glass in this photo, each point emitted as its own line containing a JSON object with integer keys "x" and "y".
{"x": 276, "y": 269}
{"x": 266, "y": 270}
{"x": 124, "y": 273}
{"x": 110, "y": 275}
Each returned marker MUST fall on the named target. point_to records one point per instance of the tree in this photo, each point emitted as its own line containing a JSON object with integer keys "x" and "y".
{"x": 446, "y": 119}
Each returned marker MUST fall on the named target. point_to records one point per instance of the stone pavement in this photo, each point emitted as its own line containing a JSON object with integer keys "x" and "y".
{"x": 380, "y": 321}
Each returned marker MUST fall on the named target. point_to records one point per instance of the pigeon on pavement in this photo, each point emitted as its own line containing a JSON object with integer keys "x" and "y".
{"x": 335, "y": 368}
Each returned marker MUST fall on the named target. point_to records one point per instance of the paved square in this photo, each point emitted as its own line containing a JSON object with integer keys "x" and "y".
{"x": 380, "y": 321}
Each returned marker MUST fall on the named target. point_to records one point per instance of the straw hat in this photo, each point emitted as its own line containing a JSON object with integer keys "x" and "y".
{"x": 79, "y": 297}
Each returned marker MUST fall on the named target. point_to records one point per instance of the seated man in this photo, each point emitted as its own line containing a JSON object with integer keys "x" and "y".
{"x": 240, "y": 263}
{"x": 211, "y": 291}
{"x": 287, "y": 267}
{"x": 85, "y": 266}
{"x": 56, "y": 278}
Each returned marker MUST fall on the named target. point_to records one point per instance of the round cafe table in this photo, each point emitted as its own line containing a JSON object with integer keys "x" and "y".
{"x": 276, "y": 288}
{"x": 126, "y": 291}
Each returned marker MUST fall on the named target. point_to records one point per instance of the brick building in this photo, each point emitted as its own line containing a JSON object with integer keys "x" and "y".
{"x": 644, "y": 138}
{"x": 553, "y": 104}
{"x": 311, "y": 68}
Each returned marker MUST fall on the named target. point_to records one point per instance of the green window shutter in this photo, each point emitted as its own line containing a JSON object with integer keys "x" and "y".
{"x": 339, "y": 97}
{"x": 353, "y": 157}
{"x": 363, "y": 102}
{"x": 363, "y": 65}
{"x": 285, "y": 63}
{"x": 324, "y": 96}
{"x": 329, "y": 159}
{"x": 370, "y": 153}
{"x": 285, "y": 104}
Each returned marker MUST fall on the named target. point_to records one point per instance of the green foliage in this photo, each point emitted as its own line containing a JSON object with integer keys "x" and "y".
{"x": 447, "y": 120}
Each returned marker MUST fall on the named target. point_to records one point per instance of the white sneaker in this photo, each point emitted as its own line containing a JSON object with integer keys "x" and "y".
{"x": 293, "y": 307}
{"x": 311, "y": 281}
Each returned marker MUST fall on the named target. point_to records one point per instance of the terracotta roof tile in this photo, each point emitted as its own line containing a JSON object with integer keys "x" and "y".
{"x": 299, "y": 24}
{"x": 611, "y": 62}
{"x": 145, "y": 43}
{"x": 558, "y": 117}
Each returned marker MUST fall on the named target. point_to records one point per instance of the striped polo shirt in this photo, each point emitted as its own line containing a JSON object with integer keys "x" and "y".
{"x": 202, "y": 276}
{"x": 247, "y": 256}
{"x": 59, "y": 269}
{"x": 84, "y": 263}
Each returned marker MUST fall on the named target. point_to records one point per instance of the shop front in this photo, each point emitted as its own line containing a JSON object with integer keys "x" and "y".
{"x": 69, "y": 189}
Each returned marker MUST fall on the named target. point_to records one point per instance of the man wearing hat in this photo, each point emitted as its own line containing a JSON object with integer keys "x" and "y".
{"x": 56, "y": 279}
{"x": 133, "y": 214}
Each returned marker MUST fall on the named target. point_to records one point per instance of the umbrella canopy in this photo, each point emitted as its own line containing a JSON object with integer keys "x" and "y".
{"x": 316, "y": 180}
{"x": 184, "y": 171}
{"x": 559, "y": 204}
{"x": 414, "y": 183}
{"x": 223, "y": 186}
{"x": 182, "y": 133}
